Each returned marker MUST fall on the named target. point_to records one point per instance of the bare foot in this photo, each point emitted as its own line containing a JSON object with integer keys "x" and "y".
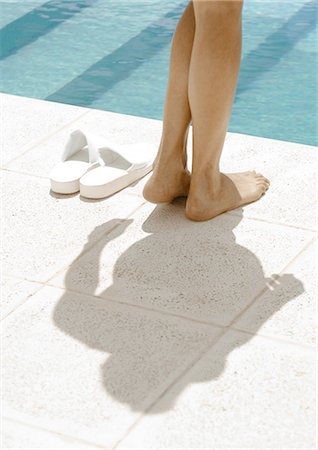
{"x": 167, "y": 183}
{"x": 207, "y": 199}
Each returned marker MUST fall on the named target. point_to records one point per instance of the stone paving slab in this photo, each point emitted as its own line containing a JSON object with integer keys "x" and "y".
{"x": 122, "y": 349}
{"x": 26, "y": 121}
{"x": 245, "y": 393}
{"x": 21, "y": 436}
{"x": 209, "y": 271}
{"x": 120, "y": 128}
{"x": 294, "y": 320}
{"x": 289, "y": 166}
{"x": 87, "y": 367}
{"x": 45, "y": 232}
{"x": 14, "y": 292}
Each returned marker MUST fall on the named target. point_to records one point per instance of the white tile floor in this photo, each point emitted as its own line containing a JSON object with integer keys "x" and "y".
{"x": 126, "y": 326}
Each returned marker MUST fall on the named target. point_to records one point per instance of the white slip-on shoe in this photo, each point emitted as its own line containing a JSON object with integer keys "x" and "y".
{"x": 120, "y": 165}
{"x": 79, "y": 155}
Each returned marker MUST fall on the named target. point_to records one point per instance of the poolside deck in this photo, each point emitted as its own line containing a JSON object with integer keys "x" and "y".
{"x": 127, "y": 326}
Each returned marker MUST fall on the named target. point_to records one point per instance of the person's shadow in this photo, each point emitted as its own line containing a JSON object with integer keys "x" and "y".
{"x": 197, "y": 270}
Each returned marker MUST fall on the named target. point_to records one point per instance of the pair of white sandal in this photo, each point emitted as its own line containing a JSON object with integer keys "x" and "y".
{"x": 98, "y": 167}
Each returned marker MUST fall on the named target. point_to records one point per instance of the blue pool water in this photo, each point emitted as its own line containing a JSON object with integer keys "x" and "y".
{"x": 114, "y": 55}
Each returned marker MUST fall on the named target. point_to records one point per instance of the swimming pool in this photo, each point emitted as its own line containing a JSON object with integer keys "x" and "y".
{"x": 114, "y": 55}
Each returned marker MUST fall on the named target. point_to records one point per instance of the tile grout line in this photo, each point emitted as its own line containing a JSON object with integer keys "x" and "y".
{"x": 167, "y": 313}
{"x": 247, "y": 218}
{"x": 229, "y": 326}
{"x": 142, "y": 308}
{"x": 223, "y": 331}
{"x": 299, "y": 254}
{"x": 226, "y": 329}
{"x": 8, "y": 169}
{"x": 179, "y": 316}
{"x": 202, "y": 354}
{"x": 175, "y": 315}
{"x": 167, "y": 389}
{"x": 236, "y": 318}
{"x": 23, "y": 173}
{"x": 257, "y": 219}
{"x": 46, "y": 282}
{"x": 23, "y": 301}
{"x": 278, "y": 340}
{"x": 49, "y": 430}
{"x": 43, "y": 139}
{"x": 272, "y": 283}
{"x": 95, "y": 242}
{"x": 231, "y": 213}
{"x": 187, "y": 369}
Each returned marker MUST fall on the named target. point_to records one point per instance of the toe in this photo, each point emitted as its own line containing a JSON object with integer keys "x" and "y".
{"x": 259, "y": 175}
{"x": 264, "y": 182}
{"x": 264, "y": 187}
{"x": 267, "y": 180}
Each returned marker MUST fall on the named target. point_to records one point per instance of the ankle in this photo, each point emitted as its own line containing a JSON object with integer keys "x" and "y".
{"x": 173, "y": 151}
{"x": 207, "y": 178}
{"x": 176, "y": 162}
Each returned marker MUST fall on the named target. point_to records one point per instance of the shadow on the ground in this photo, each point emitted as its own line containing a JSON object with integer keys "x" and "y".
{"x": 196, "y": 267}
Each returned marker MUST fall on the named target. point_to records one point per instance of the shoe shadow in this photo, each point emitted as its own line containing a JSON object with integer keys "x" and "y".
{"x": 195, "y": 269}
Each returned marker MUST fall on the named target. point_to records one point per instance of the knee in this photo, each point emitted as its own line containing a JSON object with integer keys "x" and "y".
{"x": 207, "y": 11}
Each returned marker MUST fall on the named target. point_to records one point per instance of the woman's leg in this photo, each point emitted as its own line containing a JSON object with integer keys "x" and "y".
{"x": 170, "y": 178}
{"x": 214, "y": 70}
